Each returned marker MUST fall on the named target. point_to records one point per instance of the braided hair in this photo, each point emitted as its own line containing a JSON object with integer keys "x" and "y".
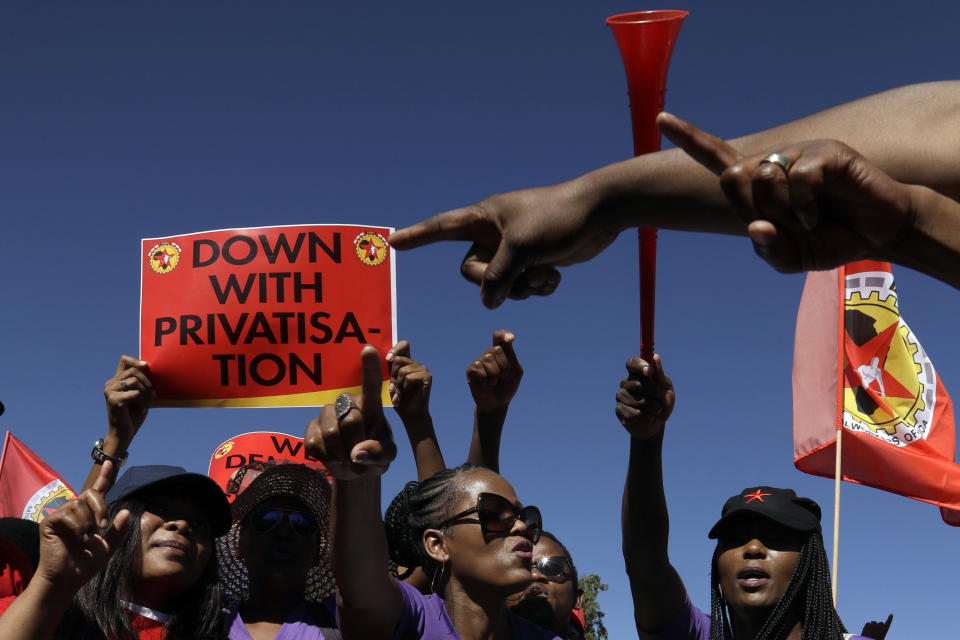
{"x": 429, "y": 503}
{"x": 395, "y": 524}
{"x": 808, "y": 592}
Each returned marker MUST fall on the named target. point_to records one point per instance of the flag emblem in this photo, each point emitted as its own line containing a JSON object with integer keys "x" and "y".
{"x": 48, "y": 499}
{"x": 889, "y": 382}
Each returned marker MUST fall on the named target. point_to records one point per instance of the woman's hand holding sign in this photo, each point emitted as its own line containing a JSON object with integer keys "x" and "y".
{"x": 351, "y": 437}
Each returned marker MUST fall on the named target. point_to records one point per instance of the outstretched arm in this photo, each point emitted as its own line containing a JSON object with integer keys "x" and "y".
{"x": 410, "y": 384}
{"x": 644, "y": 403}
{"x": 520, "y": 237}
{"x": 353, "y": 440}
{"x": 129, "y": 394}
{"x": 494, "y": 378}
{"x": 75, "y": 542}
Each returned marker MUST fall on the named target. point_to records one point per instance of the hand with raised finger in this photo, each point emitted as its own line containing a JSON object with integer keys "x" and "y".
{"x": 77, "y": 540}
{"x": 806, "y": 206}
{"x": 495, "y": 376}
{"x": 645, "y": 399}
{"x": 876, "y": 629}
{"x": 410, "y": 384}
{"x": 519, "y": 238}
{"x": 129, "y": 394}
{"x": 352, "y": 437}
{"x": 826, "y": 206}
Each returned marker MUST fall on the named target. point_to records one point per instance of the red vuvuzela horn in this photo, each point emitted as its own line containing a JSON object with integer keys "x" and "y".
{"x": 646, "y": 40}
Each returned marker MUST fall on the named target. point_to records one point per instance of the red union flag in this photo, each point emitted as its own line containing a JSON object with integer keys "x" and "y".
{"x": 270, "y": 316}
{"x": 29, "y": 488}
{"x": 857, "y": 366}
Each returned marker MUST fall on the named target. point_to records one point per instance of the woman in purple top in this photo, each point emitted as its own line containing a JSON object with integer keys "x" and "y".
{"x": 769, "y": 574}
{"x": 274, "y": 566}
{"x": 477, "y": 539}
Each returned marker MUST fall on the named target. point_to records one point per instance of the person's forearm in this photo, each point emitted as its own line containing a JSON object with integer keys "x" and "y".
{"x": 370, "y": 599}
{"x": 425, "y": 446}
{"x": 35, "y": 614}
{"x": 657, "y": 590}
{"x": 932, "y": 244}
{"x": 911, "y": 133}
{"x": 485, "y": 441}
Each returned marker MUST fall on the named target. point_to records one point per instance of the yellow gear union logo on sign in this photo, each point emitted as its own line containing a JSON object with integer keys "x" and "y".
{"x": 164, "y": 257}
{"x": 889, "y": 382}
{"x": 370, "y": 248}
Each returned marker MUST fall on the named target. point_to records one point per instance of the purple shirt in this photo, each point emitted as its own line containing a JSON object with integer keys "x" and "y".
{"x": 299, "y": 625}
{"x": 425, "y": 618}
{"x": 691, "y": 624}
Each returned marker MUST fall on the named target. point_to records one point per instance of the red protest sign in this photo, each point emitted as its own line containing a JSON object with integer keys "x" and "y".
{"x": 265, "y": 317}
{"x": 253, "y": 452}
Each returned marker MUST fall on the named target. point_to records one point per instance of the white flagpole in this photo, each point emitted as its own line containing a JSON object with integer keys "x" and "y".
{"x": 836, "y": 517}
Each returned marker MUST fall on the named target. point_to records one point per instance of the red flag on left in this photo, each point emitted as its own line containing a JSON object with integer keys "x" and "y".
{"x": 29, "y": 488}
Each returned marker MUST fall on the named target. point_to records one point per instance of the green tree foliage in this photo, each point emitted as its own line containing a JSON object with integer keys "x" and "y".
{"x": 592, "y": 585}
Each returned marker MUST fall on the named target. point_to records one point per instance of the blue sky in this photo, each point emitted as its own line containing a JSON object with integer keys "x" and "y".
{"x": 120, "y": 121}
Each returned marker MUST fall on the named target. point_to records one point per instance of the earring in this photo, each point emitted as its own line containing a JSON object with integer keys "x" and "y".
{"x": 437, "y": 577}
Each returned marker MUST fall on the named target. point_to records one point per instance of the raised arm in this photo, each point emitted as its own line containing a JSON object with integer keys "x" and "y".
{"x": 494, "y": 378}
{"x": 644, "y": 403}
{"x": 410, "y": 384}
{"x": 520, "y": 237}
{"x": 75, "y": 543}
{"x": 129, "y": 394}
{"x": 352, "y": 438}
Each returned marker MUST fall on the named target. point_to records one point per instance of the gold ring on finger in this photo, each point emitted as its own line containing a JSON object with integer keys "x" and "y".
{"x": 780, "y": 160}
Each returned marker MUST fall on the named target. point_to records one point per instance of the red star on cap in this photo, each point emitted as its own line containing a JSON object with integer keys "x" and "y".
{"x": 756, "y": 495}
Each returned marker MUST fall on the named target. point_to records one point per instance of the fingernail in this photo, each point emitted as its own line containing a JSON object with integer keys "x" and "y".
{"x": 103, "y": 523}
{"x": 389, "y": 356}
{"x": 508, "y": 335}
{"x": 361, "y": 456}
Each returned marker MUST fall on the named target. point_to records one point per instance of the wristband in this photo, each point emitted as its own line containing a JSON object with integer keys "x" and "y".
{"x": 99, "y": 456}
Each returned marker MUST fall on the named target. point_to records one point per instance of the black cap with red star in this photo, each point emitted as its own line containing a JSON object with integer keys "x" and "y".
{"x": 778, "y": 505}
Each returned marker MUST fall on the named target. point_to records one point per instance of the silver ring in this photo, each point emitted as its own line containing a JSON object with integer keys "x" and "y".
{"x": 123, "y": 384}
{"x": 780, "y": 160}
{"x": 342, "y": 405}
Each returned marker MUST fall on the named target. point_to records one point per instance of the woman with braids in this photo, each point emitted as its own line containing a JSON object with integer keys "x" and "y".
{"x": 769, "y": 577}
{"x": 131, "y": 562}
{"x": 473, "y": 537}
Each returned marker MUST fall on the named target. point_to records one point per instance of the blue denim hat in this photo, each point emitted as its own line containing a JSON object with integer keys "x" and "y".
{"x": 197, "y": 488}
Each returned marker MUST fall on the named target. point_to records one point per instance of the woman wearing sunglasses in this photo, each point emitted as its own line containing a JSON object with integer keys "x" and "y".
{"x": 475, "y": 538}
{"x": 274, "y": 566}
{"x": 554, "y": 594}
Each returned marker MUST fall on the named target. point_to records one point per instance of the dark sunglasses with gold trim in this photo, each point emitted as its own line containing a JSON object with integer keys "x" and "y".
{"x": 497, "y": 515}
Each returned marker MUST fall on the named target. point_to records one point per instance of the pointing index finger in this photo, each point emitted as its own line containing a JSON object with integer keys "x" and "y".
{"x": 372, "y": 406}
{"x": 456, "y": 224}
{"x": 710, "y": 151}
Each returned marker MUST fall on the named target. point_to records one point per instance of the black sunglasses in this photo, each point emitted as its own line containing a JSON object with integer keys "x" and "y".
{"x": 497, "y": 515}
{"x": 266, "y": 519}
{"x": 551, "y": 567}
